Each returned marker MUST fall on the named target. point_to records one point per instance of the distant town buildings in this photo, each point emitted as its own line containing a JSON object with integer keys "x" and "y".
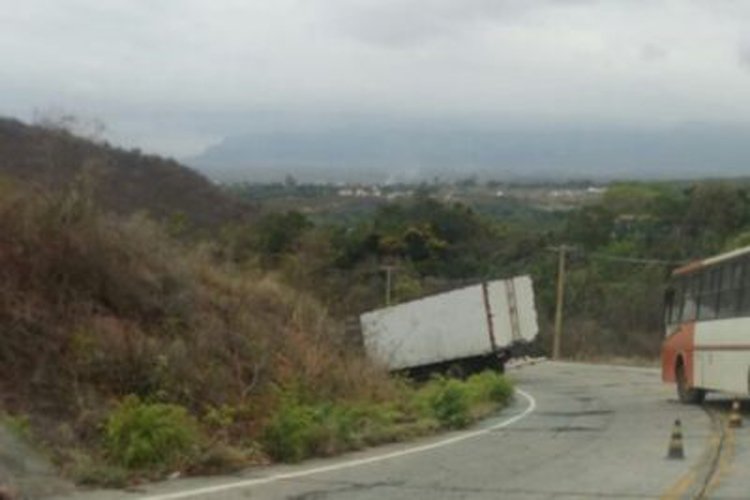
{"x": 552, "y": 196}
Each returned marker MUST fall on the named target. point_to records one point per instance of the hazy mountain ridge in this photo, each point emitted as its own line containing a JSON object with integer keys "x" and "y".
{"x": 377, "y": 153}
{"x": 124, "y": 181}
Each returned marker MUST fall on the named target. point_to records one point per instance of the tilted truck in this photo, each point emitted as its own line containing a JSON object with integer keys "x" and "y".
{"x": 471, "y": 328}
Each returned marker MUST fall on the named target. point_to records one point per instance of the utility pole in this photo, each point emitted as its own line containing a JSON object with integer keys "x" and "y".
{"x": 560, "y": 301}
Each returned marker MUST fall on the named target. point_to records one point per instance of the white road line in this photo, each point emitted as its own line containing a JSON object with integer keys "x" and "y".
{"x": 352, "y": 463}
{"x": 624, "y": 368}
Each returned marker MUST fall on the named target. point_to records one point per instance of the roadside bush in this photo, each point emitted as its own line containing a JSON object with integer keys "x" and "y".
{"x": 300, "y": 430}
{"x": 141, "y": 434}
{"x": 19, "y": 424}
{"x": 450, "y": 403}
{"x": 90, "y": 471}
{"x": 291, "y": 435}
{"x": 489, "y": 386}
{"x": 351, "y": 425}
{"x": 454, "y": 403}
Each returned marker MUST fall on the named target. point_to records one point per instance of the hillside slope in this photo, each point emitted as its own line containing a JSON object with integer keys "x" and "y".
{"x": 124, "y": 181}
{"x": 107, "y": 318}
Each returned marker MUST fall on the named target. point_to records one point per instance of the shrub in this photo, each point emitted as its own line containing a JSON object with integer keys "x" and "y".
{"x": 450, "y": 404}
{"x": 141, "y": 434}
{"x": 349, "y": 425}
{"x": 454, "y": 403}
{"x": 489, "y": 386}
{"x": 19, "y": 424}
{"x": 290, "y": 436}
{"x": 300, "y": 429}
{"x": 89, "y": 471}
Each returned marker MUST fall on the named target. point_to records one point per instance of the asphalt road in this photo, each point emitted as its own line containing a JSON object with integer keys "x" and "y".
{"x": 730, "y": 480}
{"x": 575, "y": 432}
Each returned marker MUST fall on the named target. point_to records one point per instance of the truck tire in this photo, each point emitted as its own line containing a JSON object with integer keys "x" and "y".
{"x": 686, "y": 394}
{"x": 499, "y": 365}
{"x": 457, "y": 370}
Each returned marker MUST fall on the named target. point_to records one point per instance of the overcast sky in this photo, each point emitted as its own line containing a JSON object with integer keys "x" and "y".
{"x": 174, "y": 76}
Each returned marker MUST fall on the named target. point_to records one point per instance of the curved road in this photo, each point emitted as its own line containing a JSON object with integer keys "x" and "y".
{"x": 577, "y": 432}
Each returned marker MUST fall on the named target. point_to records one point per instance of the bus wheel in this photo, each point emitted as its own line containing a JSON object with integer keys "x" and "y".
{"x": 685, "y": 393}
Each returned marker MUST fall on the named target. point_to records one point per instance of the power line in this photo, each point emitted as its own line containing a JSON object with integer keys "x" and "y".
{"x": 635, "y": 260}
{"x": 615, "y": 258}
{"x": 563, "y": 252}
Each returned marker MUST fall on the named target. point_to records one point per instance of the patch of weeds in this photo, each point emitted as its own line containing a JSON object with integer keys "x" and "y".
{"x": 450, "y": 404}
{"x": 20, "y": 425}
{"x": 289, "y": 437}
{"x": 489, "y": 386}
{"x": 299, "y": 430}
{"x": 221, "y": 458}
{"x": 220, "y": 417}
{"x": 302, "y": 427}
{"x": 88, "y": 471}
{"x": 455, "y": 403}
{"x": 140, "y": 434}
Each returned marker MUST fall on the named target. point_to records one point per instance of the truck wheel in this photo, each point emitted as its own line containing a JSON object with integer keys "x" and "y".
{"x": 456, "y": 370}
{"x": 497, "y": 362}
{"x": 686, "y": 394}
{"x": 499, "y": 365}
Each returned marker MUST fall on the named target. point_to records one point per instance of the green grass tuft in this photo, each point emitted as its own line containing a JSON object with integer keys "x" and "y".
{"x": 302, "y": 428}
{"x": 140, "y": 434}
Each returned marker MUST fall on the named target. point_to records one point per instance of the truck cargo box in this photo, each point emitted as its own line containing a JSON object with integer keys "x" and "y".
{"x": 480, "y": 320}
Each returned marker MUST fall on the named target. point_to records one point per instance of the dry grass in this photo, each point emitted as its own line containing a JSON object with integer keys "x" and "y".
{"x": 95, "y": 308}
{"x": 115, "y": 336}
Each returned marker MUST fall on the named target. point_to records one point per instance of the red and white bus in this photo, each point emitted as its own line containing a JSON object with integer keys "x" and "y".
{"x": 707, "y": 317}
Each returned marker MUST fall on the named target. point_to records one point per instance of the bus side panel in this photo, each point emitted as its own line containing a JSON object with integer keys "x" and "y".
{"x": 675, "y": 345}
{"x": 722, "y": 355}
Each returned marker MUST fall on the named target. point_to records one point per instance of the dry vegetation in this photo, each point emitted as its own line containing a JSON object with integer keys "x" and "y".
{"x": 128, "y": 181}
{"x": 132, "y": 355}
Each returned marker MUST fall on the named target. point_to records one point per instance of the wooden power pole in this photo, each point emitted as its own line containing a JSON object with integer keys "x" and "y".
{"x": 388, "y": 282}
{"x": 560, "y": 301}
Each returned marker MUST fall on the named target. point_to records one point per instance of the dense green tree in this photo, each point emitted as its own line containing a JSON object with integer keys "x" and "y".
{"x": 612, "y": 306}
{"x": 715, "y": 209}
{"x": 592, "y": 226}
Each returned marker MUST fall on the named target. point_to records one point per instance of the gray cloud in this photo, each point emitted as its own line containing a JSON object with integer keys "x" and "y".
{"x": 173, "y": 76}
{"x": 652, "y": 53}
{"x": 743, "y": 55}
{"x": 400, "y": 23}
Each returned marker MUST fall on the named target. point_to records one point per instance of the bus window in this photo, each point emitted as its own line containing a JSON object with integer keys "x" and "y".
{"x": 729, "y": 295}
{"x": 669, "y": 305}
{"x": 708, "y": 295}
{"x": 676, "y": 311}
{"x": 690, "y": 305}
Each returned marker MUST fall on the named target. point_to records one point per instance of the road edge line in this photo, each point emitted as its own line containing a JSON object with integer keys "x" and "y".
{"x": 693, "y": 484}
{"x": 208, "y": 490}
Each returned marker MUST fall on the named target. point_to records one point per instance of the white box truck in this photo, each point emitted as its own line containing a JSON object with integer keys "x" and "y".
{"x": 472, "y": 327}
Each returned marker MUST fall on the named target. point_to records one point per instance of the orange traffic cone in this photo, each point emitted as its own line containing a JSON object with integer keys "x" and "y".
{"x": 676, "y": 450}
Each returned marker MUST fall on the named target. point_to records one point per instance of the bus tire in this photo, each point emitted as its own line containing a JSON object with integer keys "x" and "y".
{"x": 686, "y": 394}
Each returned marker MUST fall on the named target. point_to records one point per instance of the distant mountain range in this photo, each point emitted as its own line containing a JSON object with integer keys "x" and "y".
{"x": 378, "y": 153}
